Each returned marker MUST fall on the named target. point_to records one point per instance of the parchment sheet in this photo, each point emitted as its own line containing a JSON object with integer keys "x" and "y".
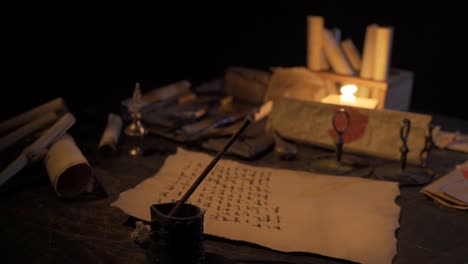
{"x": 290, "y": 211}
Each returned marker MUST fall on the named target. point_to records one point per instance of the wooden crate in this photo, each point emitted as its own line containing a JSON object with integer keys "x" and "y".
{"x": 395, "y": 93}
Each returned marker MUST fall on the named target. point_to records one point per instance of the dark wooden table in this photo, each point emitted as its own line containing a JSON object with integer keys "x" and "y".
{"x": 39, "y": 227}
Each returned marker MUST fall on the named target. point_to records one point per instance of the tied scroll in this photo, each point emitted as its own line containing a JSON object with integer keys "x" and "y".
{"x": 371, "y": 132}
{"x": 291, "y": 211}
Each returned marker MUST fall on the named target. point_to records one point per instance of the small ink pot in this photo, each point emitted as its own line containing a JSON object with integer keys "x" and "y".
{"x": 176, "y": 239}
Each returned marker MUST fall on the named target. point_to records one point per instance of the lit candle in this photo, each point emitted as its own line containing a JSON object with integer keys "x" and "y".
{"x": 347, "y": 96}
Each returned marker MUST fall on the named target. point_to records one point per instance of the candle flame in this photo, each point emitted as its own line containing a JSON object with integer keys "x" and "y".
{"x": 347, "y": 93}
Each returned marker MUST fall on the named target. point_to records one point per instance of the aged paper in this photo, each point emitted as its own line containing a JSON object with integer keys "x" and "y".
{"x": 382, "y": 52}
{"x": 371, "y": 132}
{"x": 368, "y": 55}
{"x": 291, "y": 211}
{"x": 247, "y": 84}
{"x": 335, "y": 55}
{"x": 452, "y": 189}
{"x": 352, "y": 54}
{"x": 36, "y": 150}
{"x": 69, "y": 171}
{"x": 296, "y": 82}
{"x": 29, "y": 128}
{"x": 314, "y": 42}
{"x": 111, "y": 134}
{"x": 57, "y": 105}
{"x": 451, "y": 140}
{"x": 171, "y": 90}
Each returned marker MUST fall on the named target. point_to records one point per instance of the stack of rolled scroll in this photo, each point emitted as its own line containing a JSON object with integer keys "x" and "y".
{"x": 326, "y": 50}
{"x": 47, "y": 125}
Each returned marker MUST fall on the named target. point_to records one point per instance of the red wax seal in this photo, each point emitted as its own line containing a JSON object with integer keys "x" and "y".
{"x": 465, "y": 173}
{"x": 357, "y": 125}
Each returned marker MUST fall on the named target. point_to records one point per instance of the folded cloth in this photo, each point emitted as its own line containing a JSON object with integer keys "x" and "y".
{"x": 452, "y": 189}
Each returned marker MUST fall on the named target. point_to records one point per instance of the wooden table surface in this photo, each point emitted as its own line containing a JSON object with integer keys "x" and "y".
{"x": 37, "y": 226}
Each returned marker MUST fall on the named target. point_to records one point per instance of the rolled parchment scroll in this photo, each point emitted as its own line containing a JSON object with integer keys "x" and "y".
{"x": 28, "y": 129}
{"x": 383, "y": 53}
{"x": 56, "y": 105}
{"x": 69, "y": 171}
{"x": 335, "y": 55}
{"x": 352, "y": 54}
{"x": 368, "y": 54}
{"x": 169, "y": 91}
{"x": 367, "y": 63}
{"x": 315, "y": 25}
{"x": 36, "y": 150}
{"x": 111, "y": 134}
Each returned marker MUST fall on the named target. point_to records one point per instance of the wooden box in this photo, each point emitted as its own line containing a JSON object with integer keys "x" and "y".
{"x": 395, "y": 93}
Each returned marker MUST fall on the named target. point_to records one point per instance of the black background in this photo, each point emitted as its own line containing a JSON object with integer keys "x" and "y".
{"x": 92, "y": 60}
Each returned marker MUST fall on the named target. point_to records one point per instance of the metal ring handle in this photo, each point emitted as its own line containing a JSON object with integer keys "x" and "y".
{"x": 348, "y": 120}
{"x": 404, "y": 133}
{"x": 405, "y": 129}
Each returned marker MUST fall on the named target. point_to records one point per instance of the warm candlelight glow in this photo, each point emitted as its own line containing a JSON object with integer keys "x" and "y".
{"x": 347, "y": 97}
{"x": 347, "y": 94}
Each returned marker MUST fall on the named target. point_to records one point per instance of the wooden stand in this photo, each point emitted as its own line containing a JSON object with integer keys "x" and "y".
{"x": 395, "y": 93}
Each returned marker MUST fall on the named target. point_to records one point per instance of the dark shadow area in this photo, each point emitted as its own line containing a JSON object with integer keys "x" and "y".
{"x": 98, "y": 63}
